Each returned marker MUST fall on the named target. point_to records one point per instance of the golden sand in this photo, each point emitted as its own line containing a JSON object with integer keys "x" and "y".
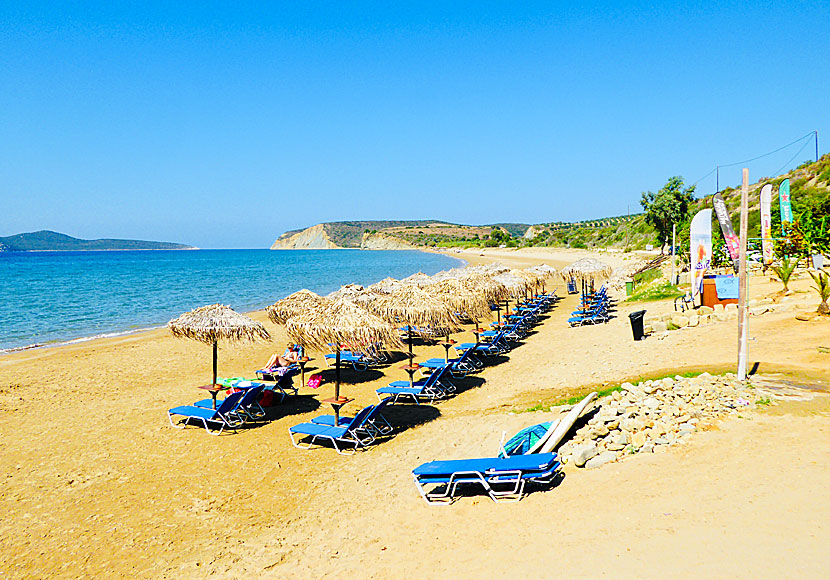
{"x": 97, "y": 484}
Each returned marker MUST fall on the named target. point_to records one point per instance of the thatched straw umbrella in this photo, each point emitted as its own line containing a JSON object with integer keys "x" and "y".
{"x": 354, "y": 293}
{"x": 210, "y": 324}
{"x": 413, "y": 306}
{"x": 488, "y": 285}
{"x": 339, "y": 321}
{"x": 515, "y": 284}
{"x": 542, "y": 272}
{"x": 294, "y": 304}
{"x": 461, "y": 297}
{"x": 385, "y": 286}
{"x": 419, "y": 279}
{"x": 586, "y": 270}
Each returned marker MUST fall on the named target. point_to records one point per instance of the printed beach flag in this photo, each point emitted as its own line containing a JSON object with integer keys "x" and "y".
{"x": 766, "y": 224}
{"x": 784, "y": 202}
{"x": 700, "y": 238}
{"x": 732, "y": 242}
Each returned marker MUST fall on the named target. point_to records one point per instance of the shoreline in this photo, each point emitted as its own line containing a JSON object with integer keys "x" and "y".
{"x": 58, "y": 343}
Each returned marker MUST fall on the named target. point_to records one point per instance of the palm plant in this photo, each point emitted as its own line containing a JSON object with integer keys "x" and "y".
{"x": 822, "y": 280}
{"x": 785, "y": 270}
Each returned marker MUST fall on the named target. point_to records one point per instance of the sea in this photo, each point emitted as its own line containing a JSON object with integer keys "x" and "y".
{"x": 52, "y": 298}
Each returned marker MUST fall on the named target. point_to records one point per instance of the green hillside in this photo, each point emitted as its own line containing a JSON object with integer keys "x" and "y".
{"x": 46, "y": 240}
{"x": 809, "y": 188}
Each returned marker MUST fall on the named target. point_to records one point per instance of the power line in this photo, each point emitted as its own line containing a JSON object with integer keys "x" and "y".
{"x": 705, "y": 176}
{"x": 810, "y": 134}
{"x": 792, "y": 158}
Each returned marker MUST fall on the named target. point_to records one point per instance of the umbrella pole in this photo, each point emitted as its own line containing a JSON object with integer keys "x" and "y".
{"x": 409, "y": 334}
{"x": 215, "y": 356}
{"x": 337, "y": 387}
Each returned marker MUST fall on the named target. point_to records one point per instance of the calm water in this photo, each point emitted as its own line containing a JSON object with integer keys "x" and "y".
{"x": 49, "y": 297}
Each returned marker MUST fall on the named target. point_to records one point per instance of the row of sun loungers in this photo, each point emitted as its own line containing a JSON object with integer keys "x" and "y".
{"x": 503, "y": 478}
{"x": 594, "y": 308}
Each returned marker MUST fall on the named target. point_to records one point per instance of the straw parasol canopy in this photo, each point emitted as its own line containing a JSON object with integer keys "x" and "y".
{"x": 516, "y": 284}
{"x": 587, "y": 269}
{"x": 419, "y": 279}
{"x": 414, "y": 307}
{"x": 354, "y": 293}
{"x": 210, "y": 324}
{"x": 385, "y": 286}
{"x": 339, "y": 322}
{"x": 345, "y": 291}
{"x": 294, "y": 304}
{"x": 462, "y": 297}
{"x": 543, "y": 270}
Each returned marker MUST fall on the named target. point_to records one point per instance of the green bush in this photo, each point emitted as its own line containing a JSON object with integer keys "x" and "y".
{"x": 658, "y": 290}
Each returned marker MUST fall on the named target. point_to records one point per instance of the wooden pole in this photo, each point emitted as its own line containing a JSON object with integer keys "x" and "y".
{"x": 673, "y": 242}
{"x": 742, "y": 305}
{"x": 337, "y": 387}
{"x": 215, "y": 357}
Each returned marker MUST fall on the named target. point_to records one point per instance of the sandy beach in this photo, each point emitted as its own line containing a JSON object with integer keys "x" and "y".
{"x": 96, "y": 483}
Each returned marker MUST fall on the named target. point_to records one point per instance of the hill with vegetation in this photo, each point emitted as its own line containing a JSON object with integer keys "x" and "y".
{"x": 46, "y": 240}
{"x": 809, "y": 192}
{"x": 394, "y": 234}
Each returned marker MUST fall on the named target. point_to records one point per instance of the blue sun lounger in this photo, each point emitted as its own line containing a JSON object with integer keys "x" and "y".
{"x": 436, "y": 386}
{"x": 502, "y": 478}
{"x": 375, "y": 422}
{"x": 355, "y": 434}
{"x": 248, "y": 407}
{"x": 223, "y": 415}
{"x": 459, "y": 367}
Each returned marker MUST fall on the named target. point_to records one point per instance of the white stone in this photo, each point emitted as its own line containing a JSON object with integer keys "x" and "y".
{"x": 582, "y": 453}
{"x": 680, "y": 320}
{"x": 601, "y": 459}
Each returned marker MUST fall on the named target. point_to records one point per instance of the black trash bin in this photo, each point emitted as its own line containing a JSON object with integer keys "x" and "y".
{"x": 636, "y": 319}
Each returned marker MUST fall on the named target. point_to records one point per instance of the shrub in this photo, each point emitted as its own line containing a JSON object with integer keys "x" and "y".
{"x": 822, "y": 280}
{"x": 785, "y": 270}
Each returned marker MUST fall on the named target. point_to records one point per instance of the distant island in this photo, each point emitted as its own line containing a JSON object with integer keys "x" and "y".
{"x": 46, "y": 241}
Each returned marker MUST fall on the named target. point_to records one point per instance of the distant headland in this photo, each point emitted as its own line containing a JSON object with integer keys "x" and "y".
{"x": 49, "y": 241}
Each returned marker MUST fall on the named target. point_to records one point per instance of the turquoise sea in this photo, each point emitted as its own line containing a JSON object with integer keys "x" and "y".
{"x": 54, "y": 297}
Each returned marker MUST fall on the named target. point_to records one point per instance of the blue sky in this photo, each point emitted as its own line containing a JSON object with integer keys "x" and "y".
{"x": 222, "y": 125}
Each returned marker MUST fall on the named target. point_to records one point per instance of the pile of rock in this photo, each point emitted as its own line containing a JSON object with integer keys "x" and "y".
{"x": 708, "y": 314}
{"x": 652, "y": 415}
{"x": 703, "y": 315}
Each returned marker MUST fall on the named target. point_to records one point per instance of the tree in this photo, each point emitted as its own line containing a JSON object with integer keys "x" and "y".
{"x": 668, "y": 206}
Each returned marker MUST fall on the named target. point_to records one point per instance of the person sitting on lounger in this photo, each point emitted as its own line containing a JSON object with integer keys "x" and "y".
{"x": 292, "y": 354}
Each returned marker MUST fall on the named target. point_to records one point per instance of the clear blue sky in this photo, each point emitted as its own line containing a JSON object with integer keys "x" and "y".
{"x": 224, "y": 124}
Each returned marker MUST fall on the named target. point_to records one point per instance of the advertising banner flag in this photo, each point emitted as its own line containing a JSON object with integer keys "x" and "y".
{"x": 784, "y": 202}
{"x": 732, "y": 242}
{"x": 766, "y": 224}
{"x": 700, "y": 242}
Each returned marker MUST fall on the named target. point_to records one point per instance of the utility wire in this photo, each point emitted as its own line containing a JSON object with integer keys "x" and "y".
{"x": 810, "y": 134}
{"x": 792, "y": 158}
{"x": 705, "y": 176}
